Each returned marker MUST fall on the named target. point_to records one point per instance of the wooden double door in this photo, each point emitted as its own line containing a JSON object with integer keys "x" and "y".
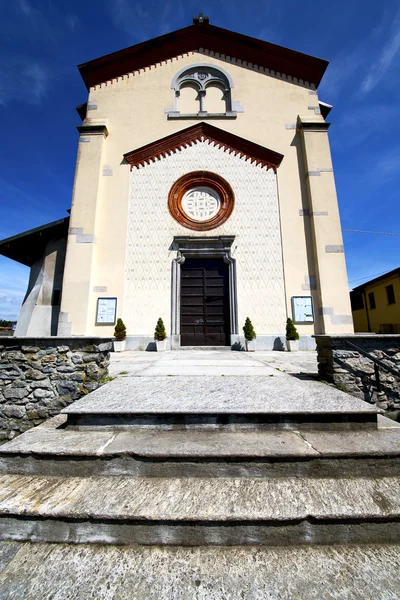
{"x": 205, "y": 317}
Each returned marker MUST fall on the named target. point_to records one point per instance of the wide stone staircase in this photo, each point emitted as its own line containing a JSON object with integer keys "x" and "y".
{"x": 205, "y": 462}
{"x": 236, "y": 468}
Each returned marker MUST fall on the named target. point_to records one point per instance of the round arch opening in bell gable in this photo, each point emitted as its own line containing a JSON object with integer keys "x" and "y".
{"x": 201, "y": 200}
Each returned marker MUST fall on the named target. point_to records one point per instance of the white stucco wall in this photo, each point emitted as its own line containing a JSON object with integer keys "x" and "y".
{"x": 255, "y": 222}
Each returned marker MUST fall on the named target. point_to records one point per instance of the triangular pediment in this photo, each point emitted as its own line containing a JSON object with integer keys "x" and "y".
{"x": 200, "y": 133}
{"x": 203, "y": 37}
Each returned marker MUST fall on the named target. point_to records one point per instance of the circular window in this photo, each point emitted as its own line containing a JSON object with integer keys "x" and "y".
{"x": 201, "y": 200}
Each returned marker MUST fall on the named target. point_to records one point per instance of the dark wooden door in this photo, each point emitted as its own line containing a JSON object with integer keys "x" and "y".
{"x": 204, "y": 303}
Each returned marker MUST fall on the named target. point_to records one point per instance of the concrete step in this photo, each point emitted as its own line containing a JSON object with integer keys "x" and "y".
{"x": 232, "y": 403}
{"x": 48, "y": 450}
{"x": 200, "y": 511}
{"x": 71, "y": 572}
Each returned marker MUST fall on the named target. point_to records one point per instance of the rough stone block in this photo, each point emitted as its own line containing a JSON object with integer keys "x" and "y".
{"x": 13, "y": 392}
{"x": 17, "y": 412}
{"x": 62, "y": 349}
{"x": 41, "y": 393}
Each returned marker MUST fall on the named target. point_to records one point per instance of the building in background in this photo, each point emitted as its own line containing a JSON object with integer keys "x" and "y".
{"x": 204, "y": 194}
{"x": 376, "y": 304}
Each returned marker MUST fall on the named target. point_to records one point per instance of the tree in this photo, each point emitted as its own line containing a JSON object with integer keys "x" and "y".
{"x": 160, "y": 334}
{"x": 120, "y": 331}
{"x": 248, "y": 330}
{"x": 291, "y": 332}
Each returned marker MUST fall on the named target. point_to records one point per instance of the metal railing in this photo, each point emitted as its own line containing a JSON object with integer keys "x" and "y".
{"x": 377, "y": 363}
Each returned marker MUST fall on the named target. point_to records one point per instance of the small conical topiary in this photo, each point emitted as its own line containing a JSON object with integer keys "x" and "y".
{"x": 120, "y": 331}
{"x": 248, "y": 330}
{"x": 160, "y": 334}
{"x": 291, "y": 332}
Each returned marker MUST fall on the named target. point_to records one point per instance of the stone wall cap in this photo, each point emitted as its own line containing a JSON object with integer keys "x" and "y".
{"x": 12, "y": 340}
{"x": 355, "y": 336}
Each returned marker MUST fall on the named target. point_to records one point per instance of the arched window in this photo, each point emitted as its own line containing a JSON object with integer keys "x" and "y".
{"x": 203, "y": 90}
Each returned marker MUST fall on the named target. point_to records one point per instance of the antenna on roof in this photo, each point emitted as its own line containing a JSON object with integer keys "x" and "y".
{"x": 201, "y": 19}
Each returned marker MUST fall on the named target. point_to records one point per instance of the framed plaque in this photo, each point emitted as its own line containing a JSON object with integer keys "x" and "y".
{"x": 302, "y": 309}
{"x": 106, "y": 313}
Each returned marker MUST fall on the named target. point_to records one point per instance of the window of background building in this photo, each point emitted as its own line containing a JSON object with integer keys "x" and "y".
{"x": 371, "y": 298}
{"x": 390, "y": 294}
{"x": 356, "y": 299}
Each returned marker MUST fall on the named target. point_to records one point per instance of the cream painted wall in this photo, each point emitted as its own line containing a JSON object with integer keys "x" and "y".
{"x": 134, "y": 110}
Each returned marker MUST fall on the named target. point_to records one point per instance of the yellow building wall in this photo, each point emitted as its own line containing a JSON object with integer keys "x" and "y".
{"x": 384, "y": 313}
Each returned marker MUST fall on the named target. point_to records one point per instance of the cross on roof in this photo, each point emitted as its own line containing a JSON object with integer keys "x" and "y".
{"x": 201, "y": 19}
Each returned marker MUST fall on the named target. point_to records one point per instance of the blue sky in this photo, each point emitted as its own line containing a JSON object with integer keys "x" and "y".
{"x": 42, "y": 41}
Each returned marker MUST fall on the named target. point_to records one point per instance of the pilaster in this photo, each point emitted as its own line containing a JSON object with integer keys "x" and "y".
{"x": 81, "y": 248}
{"x": 326, "y": 230}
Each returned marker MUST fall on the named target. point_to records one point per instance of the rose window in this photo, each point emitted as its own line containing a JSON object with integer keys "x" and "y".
{"x": 201, "y": 204}
{"x": 201, "y": 200}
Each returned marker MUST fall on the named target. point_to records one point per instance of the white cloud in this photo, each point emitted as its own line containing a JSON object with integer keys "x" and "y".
{"x": 14, "y": 281}
{"x": 143, "y": 21}
{"x": 359, "y": 122}
{"x": 72, "y": 22}
{"x": 362, "y": 66}
{"x": 384, "y": 60}
{"x": 23, "y": 79}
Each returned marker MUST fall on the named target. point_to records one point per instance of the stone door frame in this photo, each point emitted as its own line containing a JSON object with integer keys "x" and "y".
{"x": 202, "y": 247}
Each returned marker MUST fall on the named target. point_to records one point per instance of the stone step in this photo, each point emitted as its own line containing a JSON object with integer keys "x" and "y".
{"x": 206, "y": 348}
{"x": 276, "y": 402}
{"x": 71, "y": 572}
{"x": 53, "y": 451}
{"x": 200, "y": 511}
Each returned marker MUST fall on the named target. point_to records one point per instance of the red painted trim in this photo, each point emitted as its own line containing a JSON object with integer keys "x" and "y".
{"x": 192, "y": 38}
{"x": 229, "y": 141}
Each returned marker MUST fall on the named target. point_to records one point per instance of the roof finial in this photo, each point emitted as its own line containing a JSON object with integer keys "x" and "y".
{"x": 201, "y": 19}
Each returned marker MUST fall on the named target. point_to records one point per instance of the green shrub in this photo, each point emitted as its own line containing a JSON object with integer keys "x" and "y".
{"x": 248, "y": 330}
{"x": 291, "y": 332}
{"x": 160, "y": 334}
{"x": 120, "y": 331}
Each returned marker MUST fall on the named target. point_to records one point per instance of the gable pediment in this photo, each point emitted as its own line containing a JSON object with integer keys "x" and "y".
{"x": 202, "y": 37}
{"x": 199, "y": 133}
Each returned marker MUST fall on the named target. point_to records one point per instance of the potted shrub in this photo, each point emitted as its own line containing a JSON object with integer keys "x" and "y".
{"x": 249, "y": 335}
{"x": 292, "y": 336}
{"x": 159, "y": 335}
{"x": 120, "y": 335}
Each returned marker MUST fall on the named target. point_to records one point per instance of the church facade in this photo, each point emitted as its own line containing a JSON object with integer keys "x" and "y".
{"x": 204, "y": 194}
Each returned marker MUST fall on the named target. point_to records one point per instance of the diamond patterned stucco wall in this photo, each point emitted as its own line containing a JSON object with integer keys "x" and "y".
{"x": 254, "y": 222}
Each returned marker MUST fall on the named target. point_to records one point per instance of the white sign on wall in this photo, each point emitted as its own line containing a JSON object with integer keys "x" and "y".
{"x": 106, "y": 311}
{"x": 302, "y": 309}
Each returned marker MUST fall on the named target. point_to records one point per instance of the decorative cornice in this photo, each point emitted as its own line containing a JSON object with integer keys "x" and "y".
{"x": 312, "y": 125}
{"x": 93, "y": 130}
{"x": 199, "y": 133}
{"x": 203, "y": 36}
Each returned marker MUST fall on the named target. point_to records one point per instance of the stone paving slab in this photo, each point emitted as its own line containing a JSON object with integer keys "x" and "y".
{"x": 183, "y": 444}
{"x": 58, "y": 442}
{"x": 283, "y": 394}
{"x": 199, "y": 499}
{"x": 7, "y": 552}
{"x": 208, "y": 370}
{"x": 374, "y": 443}
{"x": 161, "y": 444}
{"x": 70, "y": 572}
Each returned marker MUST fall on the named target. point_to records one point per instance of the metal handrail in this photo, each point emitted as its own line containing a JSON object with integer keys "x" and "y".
{"x": 377, "y": 363}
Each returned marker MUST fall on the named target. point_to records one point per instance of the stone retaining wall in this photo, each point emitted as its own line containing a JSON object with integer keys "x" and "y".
{"x": 40, "y": 376}
{"x": 352, "y": 372}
